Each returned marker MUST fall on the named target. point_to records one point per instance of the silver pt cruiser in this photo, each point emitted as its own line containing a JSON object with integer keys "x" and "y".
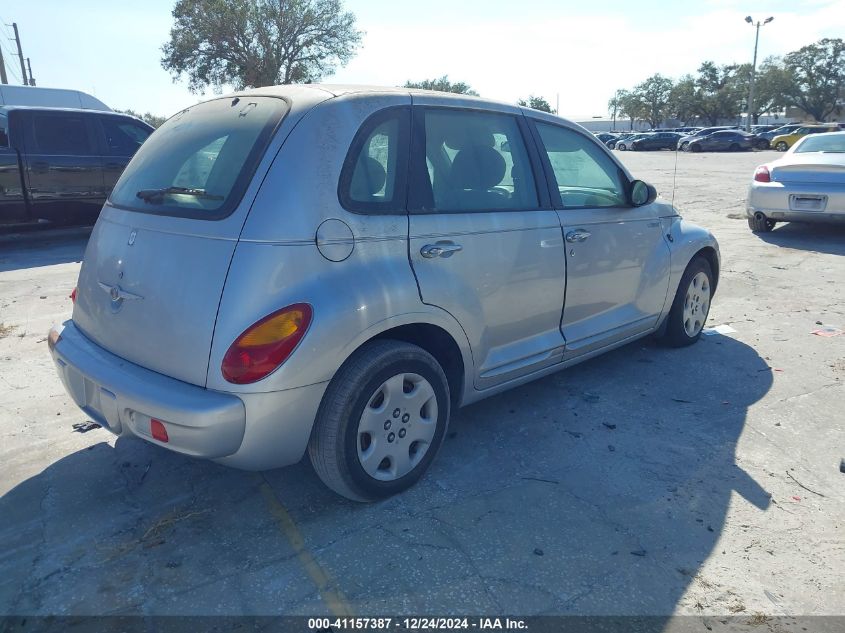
{"x": 334, "y": 269}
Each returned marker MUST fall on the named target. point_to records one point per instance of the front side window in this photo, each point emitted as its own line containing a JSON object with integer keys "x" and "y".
{"x": 477, "y": 161}
{"x": 199, "y": 163}
{"x": 585, "y": 175}
{"x": 61, "y": 134}
{"x": 123, "y": 137}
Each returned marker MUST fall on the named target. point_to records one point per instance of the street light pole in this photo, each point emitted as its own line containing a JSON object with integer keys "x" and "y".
{"x": 750, "y": 111}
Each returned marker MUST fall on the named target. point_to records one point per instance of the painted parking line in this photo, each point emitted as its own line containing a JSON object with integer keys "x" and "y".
{"x": 326, "y": 586}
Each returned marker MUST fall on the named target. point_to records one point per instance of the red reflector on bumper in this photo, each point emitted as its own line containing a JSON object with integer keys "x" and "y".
{"x": 158, "y": 430}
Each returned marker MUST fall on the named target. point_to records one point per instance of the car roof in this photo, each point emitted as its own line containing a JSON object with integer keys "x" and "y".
{"x": 9, "y": 108}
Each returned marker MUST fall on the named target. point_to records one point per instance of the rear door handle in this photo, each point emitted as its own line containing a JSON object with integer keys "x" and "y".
{"x": 578, "y": 235}
{"x": 440, "y": 249}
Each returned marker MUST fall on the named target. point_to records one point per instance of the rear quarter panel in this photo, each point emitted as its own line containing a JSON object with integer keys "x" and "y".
{"x": 277, "y": 261}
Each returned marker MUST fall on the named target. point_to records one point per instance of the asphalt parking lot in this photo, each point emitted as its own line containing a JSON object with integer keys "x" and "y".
{"x": 648, "y": 481}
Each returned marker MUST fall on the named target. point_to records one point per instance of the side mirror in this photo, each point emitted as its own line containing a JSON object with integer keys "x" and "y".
{"x": 641, "y": 193}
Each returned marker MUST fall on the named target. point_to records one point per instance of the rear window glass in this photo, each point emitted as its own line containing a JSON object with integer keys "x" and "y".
{"x": 199, "y": 163}
{"x": 834, "y": 143}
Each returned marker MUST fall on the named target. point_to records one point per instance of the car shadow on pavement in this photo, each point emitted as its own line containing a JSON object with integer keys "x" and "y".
{"x": 19, "y": 251}
{"x": 819, "y": 238}
{"x": 599, "y": 490}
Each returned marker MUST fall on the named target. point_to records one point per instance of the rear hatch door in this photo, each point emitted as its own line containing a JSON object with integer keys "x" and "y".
{"x": 157, "y": 260}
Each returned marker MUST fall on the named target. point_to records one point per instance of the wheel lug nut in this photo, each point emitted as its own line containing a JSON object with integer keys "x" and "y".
{"x": 396, "y": 412}
{"x": 391, "y": 437}
{"x": 387, "y": 424}
{"x": 406, "y": 417}
{"x": 402, "y": 432}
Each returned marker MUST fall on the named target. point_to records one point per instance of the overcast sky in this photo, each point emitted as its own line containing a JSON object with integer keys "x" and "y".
{"x": 582, "y": 50}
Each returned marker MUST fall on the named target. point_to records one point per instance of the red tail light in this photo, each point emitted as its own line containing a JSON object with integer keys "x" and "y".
{"x": 762, "y": 174}
{"x": 158, "y": 431}
{"x": 265, "y": 345}
{"x": 73, "y": 295}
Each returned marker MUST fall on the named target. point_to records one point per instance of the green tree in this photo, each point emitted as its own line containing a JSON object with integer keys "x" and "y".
{"x": 442, "y": 84}
{"x": 683, "y": 100}
{"x": 772, "y": 82}
{"x": 653, "y": 95}
{"x": 717, "y": 96}
{"x": 614, "y": 105}
{"x": 631, "y": 107}
{"x": 151, "y": 119}
{"x": 817, "y": 73}
{"x": 537, "y": 103}
{"x": 253, "y": 43}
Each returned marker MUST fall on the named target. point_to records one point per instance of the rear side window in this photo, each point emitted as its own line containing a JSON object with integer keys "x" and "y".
{"x": 373, "y": 176}
{"x": 61, "y": 134}
{"x": 200, "y": 162}
{"x": 476, "y": 161}
{"x": 585, "y": 175}
{"x": 123, "y": 137}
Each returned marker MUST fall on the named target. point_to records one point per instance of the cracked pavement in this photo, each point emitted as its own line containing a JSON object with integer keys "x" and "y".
{"x": 717, "y": 491}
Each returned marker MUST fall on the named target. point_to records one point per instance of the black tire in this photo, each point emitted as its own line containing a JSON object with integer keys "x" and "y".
{"x": 333, "y": 447}
{"x": 759, "y": 223}
{"x": 675, "y": 334}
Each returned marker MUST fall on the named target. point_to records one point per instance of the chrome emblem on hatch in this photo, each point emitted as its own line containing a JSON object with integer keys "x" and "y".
{"x": 118, "y": 294}
{"x": 132, "y": 237}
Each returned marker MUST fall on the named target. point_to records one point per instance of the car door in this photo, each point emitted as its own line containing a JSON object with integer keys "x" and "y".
{"x": 120, "y": 137}
{"x": 485, "y": 244}
{"x": 617, "y": 258}
{"x": 62, "y": 165}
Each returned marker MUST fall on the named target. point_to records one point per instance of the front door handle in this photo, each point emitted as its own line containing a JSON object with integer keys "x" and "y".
{"x": 578, "y": 235}
{"x": 440, "y": 249}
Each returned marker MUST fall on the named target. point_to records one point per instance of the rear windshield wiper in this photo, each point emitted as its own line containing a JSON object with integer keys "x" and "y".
{"x": 156, "y": 196}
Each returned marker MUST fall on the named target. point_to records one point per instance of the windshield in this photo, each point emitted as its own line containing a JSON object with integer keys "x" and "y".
{"x": 833, "y": 143}
{"x": 199, "y": 163}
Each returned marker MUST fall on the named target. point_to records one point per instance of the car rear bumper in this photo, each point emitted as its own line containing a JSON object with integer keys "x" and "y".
{"x": 782, "y": 203}
{"x": 249, "y": 431}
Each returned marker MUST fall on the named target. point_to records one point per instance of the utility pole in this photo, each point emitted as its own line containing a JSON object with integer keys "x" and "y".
{"x": 20, "y": 53}
{"x": 29, "y": 66}
{"x": 3, "y": 77}
{"x": 750, "y": 112}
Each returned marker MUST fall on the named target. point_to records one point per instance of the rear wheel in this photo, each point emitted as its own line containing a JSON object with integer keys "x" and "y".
{"x": 381, "y": 422}
{"x": 691, "y": 305}
{"x": 781, "y": 146}
{"x": 759, "y": 223}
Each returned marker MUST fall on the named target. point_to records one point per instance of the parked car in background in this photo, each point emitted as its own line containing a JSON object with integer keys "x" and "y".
{"x": 658, "y": 140}
{"x": 624, "y": 143}
{"x": 212, "y": 313}
{"x": 723, "y": 141}
{"x": 807, "y": 184}
{"x": 770, "y": 134}
{"x": 59, "y": 165}
{"x": 686, "y": 131}
{"x": 37, "y": 96}
{"x": 620, "y": 137}
{"x": 684, "y": 141}
{"x": 783, "y": 142}
{"x": 606, "y": 137}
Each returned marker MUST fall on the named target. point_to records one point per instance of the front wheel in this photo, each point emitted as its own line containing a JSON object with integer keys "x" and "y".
{"x": 691, "y": 305}
{"x": 381, "y": 421}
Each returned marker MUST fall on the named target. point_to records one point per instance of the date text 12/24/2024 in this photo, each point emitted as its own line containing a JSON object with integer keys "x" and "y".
{"x": 416, "y": 624}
